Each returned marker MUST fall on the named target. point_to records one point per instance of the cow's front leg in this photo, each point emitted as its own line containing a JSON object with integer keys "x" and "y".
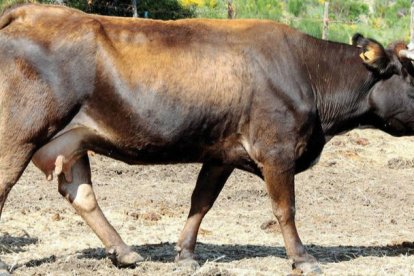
{"x": 80, "y": 194}
{"x": 280, "y": 186}
{"x": 209, "y": 184}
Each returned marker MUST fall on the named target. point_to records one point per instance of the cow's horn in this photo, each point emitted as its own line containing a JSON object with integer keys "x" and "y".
{"x": 406, "y": 54}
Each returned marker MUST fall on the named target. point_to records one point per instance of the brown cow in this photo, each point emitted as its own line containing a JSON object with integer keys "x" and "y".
{"x": 246, "y": 94}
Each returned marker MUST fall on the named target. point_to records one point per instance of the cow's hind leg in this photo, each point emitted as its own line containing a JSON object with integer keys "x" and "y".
{"x": 209, "y": 184}
{"x": 14, "y": 158}
{"x": 80, "y": 194}
{"x": 13, "y": 161}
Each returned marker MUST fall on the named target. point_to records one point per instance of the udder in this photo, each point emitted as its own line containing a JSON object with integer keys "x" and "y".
{"x": 61, "y": 153}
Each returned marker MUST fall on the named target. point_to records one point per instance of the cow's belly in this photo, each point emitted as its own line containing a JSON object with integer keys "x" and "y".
{"x": 83, "y": 133}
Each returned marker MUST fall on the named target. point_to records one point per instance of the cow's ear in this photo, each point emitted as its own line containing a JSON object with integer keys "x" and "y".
{"x": 372, "y": 54}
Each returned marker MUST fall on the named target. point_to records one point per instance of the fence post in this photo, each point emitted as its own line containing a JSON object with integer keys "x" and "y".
{"x": 325, "y": 21}
{"x": 230, "y": 10}
{"x": 411, "y": 45}
{"x": 134, "y": 8}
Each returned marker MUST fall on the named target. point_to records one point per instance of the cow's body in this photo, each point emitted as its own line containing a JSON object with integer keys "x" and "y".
{"x": 166, "y": 88}
{"x": 253, "y": 95}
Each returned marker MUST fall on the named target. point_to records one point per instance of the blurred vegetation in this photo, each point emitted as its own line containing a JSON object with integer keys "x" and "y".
{"x": 384, "y": 20}
{"x": 160, "y": 9}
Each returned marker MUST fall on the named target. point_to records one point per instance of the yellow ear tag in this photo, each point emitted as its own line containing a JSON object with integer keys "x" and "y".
{"x": 363, "y": 57}
{"x": 370, "y": 55}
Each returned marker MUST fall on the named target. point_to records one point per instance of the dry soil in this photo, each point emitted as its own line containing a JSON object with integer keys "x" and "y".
{"x": 355, "y": 213}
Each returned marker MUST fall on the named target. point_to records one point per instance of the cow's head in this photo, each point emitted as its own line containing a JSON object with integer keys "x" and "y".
{"x": 392, "y": 97}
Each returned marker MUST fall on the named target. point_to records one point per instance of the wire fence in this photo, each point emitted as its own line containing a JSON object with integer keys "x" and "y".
{"x": 321, "y": 26}
{"x": 174, "y": 12}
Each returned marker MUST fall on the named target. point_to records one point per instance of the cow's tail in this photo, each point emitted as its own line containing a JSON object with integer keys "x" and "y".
{"x": 10, "y": 14}
{"x": 5, "y": 20}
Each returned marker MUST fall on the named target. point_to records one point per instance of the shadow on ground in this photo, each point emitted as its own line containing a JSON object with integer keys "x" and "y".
{"x": 11, "y": 244}
{"x": 165, "y": 252}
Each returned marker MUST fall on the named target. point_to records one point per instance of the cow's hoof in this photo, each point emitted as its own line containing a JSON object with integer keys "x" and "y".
{"x": 186, "y": 259}
{"x": 188, "y": 263}
{"x": 131, "y": 258}
{"x": 307, "y": 265}
{"x": 125, "y": 257}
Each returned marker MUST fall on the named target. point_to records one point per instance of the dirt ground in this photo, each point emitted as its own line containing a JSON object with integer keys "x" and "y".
{"x": 355, "y": 213}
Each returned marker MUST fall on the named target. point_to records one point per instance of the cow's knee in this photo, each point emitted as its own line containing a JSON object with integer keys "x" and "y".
{"x": 85, "y": 198}
{"x": 81, "y": 196}
{"x": 284, "y": 213}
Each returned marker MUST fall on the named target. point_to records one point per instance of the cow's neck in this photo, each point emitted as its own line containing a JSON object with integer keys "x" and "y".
{"x": 345, "y": 108}
{"x": 341, "y": 84}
